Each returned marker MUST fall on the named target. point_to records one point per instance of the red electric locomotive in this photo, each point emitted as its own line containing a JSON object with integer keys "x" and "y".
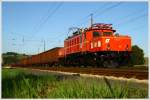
{"x": 97, "y": 46}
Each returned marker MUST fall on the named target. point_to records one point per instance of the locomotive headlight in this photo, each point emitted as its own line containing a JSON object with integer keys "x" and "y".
{"x": 127, "y": 47}
{"x": 108, "y": 46}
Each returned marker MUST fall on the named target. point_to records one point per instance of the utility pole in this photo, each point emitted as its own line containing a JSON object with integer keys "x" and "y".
{"x": 91, "y": 19}
{"x": 44, "y": 45}
{"x": 23, "y": 45}
{"x": 38, "y": 50}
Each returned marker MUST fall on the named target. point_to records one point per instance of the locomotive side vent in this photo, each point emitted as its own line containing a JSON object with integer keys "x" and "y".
{"x": 99, "y": 43}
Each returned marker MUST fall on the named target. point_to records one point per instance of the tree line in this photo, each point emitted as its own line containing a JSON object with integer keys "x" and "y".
{"x": 11, "y": 57}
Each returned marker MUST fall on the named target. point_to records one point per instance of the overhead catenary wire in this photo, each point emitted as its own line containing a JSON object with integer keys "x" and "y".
{"x": 136, "y": 28}
{"x": 96, "y": 13}
{"x": 128, "y": 15}
{"x": 108, "y": 9}
{"x": 18, "y": 34}
{"x": 86, "y": 17}
{"x": 46, "y": 19}
{"x": 42, "y": 19}
{"x": 131, "y": 20}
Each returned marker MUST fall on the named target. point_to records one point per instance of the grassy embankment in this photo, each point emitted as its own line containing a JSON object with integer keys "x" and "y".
{"x": 18, "y": 84}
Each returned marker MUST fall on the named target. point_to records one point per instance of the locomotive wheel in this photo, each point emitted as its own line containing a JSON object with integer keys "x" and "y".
{"x": 114, "y": 64}
{"x": 110, "y": 64}
{"x": 105, "y": 64}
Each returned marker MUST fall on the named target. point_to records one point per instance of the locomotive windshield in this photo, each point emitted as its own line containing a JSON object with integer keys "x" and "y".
{"x": 107, "y": 33}
{"x": 96, "y": 34}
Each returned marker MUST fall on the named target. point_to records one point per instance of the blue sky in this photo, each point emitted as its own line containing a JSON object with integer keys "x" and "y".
{"x": 25, "y": 25}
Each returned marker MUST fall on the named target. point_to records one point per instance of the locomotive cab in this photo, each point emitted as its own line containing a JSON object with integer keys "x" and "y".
{"x": 101, "y": 37}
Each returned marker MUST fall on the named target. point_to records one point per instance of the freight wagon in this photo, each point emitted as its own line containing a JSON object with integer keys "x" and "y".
{"x": 47, "y": 58}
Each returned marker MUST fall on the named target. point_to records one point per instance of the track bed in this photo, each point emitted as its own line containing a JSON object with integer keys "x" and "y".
{"x": 128, "y": 73}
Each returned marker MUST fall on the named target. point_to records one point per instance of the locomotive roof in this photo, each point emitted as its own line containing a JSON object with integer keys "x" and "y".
{"x": 96, "y": 26}
{"x": 74, "y": 35}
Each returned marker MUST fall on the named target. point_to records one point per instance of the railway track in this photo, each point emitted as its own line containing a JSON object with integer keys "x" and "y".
{"x": 127, "y": 73}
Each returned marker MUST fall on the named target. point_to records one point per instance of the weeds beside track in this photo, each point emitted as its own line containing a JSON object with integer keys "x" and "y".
{"x": 18, "y": 84}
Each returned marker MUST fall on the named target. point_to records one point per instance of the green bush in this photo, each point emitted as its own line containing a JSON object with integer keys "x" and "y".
{"x": 137, "y": 55}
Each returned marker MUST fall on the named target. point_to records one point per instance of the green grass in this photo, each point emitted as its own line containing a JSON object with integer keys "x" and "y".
{"x": 18, "y": 84}
{"x": 21, "y": 85}
{"x": 92, "y": 88}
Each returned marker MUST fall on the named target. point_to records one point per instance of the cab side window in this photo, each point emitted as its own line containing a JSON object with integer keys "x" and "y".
{"x": 96, "y": 34}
